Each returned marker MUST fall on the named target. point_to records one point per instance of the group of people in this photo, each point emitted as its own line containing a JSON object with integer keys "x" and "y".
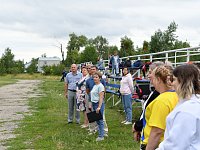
{"x": 173, "y": 107}
{"x": 85, "y": 92}
{"x": 171, "y": 116}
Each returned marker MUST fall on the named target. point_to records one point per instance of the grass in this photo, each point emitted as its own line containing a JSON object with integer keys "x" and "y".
{"x": 47, "y": 127}
{"x": 4, "y": 80}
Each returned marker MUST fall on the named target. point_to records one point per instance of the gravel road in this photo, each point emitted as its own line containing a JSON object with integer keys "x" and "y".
{"x": 13, "y": 104}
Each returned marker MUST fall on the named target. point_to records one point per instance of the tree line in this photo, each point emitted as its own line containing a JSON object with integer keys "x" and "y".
{"x": 82, "y": 49}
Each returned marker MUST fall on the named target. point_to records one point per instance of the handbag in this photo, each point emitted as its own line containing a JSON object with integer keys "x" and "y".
{"x": 93, "y": 116}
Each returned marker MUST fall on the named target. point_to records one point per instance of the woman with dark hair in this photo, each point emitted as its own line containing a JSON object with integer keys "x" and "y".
{"x": 183, "y": 123}
{"x": 126, "y": 90}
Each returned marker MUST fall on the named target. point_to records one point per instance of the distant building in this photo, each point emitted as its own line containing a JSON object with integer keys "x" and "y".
{"x": 47, "y": 61}
{"x": 26, "y": 65}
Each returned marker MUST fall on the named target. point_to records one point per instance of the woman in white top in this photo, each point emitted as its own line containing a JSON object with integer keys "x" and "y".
{"x": 126, "y": 90}
{"x": 183, "y": 123}
{"x": 97, "y": 96}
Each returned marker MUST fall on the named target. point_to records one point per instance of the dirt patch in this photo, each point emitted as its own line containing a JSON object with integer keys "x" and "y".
{"x": 13, "y": 104}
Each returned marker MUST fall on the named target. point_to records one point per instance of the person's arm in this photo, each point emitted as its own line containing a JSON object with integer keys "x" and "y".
{"x": 104, "y": 84}
{"x": 157, "y": 121}
{"x": 182, "y": 132}
{"x": 87, "y": 87}
{"x": 136, "y": 133}
{"x": 130, "y": 84}
{"x": 101, "y": 95}
{"x": 66, "y": 89}
{"x": 154, "y": 138}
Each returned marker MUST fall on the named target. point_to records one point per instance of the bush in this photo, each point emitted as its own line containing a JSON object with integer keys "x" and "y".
{"x": 53, "y": 70}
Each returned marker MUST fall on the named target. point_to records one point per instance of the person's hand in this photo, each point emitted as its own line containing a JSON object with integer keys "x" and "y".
{"x": 97, "y": 110}
{"x": 90, "y": 106}
{"x": 66, "y": 94}
{"x": 136, "y": 135}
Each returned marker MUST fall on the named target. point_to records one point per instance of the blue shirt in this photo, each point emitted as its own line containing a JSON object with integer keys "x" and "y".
{"x": 71, "y": 79}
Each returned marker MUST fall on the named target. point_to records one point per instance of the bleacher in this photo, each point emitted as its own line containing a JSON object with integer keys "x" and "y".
{"x": 139, "y": 65}
{"x": 113, "y": 90}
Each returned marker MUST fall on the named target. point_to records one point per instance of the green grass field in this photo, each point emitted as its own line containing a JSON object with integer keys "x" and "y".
{"x": 4, "y": 80}
{"x": 47, "y": 127}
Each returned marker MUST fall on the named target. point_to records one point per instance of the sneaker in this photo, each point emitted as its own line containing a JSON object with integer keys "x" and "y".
{"x": 99, "y": 139}
{"x": 127, "y": 123}
{"x": 105, "y": 135}
{"x": 123, "y": 121}
{"x": 77, "y": 109}
{"x": 69, "y": 122}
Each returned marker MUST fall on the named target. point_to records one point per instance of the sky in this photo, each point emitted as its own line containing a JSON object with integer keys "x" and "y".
{"x": 31, "y": 28}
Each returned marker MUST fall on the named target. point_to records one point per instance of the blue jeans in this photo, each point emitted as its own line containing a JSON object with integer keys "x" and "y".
{"x": 115, "y": 69}
{"x": 100, "y": 122}
{"x": 127, "y": 103}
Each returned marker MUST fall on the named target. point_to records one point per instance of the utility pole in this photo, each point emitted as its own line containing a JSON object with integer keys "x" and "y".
{"x": 62, "y": 53}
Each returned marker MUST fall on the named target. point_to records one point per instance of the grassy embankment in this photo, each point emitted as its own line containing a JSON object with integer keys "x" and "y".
{"x": 47, "y": 127}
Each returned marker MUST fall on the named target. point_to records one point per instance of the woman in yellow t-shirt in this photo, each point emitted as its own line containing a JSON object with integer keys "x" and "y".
{"x": 157, "y": 111}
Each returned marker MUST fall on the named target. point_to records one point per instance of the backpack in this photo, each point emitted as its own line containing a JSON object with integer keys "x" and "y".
{"x": 137, "y": 92}
{"x": 127, "y": 63}
{"x": 137, "y": 63}
{"x": 121, "y": 65}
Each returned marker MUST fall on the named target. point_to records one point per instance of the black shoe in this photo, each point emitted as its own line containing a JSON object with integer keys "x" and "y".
{"x": 69, "y": 122}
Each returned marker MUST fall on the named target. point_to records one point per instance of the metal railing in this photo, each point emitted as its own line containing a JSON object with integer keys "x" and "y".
{"x": 176, "y": 57}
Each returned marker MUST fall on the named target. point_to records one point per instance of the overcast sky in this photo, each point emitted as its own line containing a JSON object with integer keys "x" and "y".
{"x": 34, "y": 27}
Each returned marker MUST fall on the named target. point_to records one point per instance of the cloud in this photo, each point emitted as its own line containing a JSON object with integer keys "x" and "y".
{"x": 34, "y": 24}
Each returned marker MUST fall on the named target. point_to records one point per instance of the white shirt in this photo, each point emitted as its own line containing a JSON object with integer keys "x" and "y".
{"x": 183, "y": 126}
{"x": 126, "y": 85}
{"x": 115, "y": 59}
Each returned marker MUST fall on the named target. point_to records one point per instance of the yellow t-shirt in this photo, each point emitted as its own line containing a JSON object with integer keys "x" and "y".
{"x": 156, "y": 113}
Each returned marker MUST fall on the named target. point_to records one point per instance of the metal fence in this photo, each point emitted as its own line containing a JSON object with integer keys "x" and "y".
{"x": 176, "y": 57}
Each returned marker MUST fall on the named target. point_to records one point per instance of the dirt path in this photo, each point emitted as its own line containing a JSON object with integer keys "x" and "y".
{"x": 13, "y": 103}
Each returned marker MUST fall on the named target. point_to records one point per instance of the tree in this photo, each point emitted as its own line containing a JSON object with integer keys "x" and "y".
{"x": 145, "y": 47}
{"x": 75, "y": 42}
{"x": 73, "y": 48}
{"x": 101, "y": 45}
{"x": 32, "y": 68}
{"x": 18, "y": 67}
{"x": 2, "y": 67}
{"x": 89, "y": 54}
{"x": 165, "y": 40}
{"x": 72, "y": 57}
{"x": 156, "y": 42}
{"x": 127, "y": 47}
{"x": 7, "y": 60}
